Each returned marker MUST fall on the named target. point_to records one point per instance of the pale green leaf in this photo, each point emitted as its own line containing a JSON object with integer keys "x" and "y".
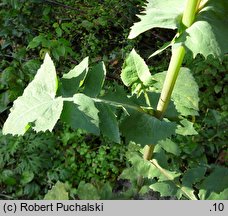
{"x": 135, "y": 70}
{"x": 185, "y": 92}
{"x": 38, "y": 105}
{"x": 209, "y": 33}
{"x": 205, "y": 195}
{"x": 166, "y": 188}
{"x": 58, "y": 192}
{"x": 186, "y": 128}
{"x": 161, "y": 173}
{"x": 159, "y": 13}
{"x": 145, "y": 129}
{"x": 71, "y": 81}
{"x": 95, "y": 80}
{"x": 81, "y": 113}
{"x": 170, "y": 147}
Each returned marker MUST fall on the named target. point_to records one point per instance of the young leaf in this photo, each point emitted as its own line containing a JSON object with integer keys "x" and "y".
{"x": 38, "y": 104}
{"x": 71, "y": 81}
{"x": 95, "y": 80}
{"x": 135, "y": 70}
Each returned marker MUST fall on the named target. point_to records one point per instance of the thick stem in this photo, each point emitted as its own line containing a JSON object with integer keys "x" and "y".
{"x": 170, "y": 80}
{"x": 148, "y": 152}
{"x": 173, "y": 70}
{"x": 176, "y": 60}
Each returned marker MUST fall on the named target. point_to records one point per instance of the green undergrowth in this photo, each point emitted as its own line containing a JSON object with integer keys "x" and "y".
{"x": 30, "y": 165}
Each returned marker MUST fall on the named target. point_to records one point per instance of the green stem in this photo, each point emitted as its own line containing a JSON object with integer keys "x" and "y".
{"x": 174, "y": 68}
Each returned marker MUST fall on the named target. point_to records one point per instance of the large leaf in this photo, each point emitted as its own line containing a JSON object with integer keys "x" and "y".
{"x": 145, "y": 129}
{"x": 81, "y": 113}
{"x": 71, "y": 81}
{"x": 209, "y": 33}
{"x": 95, "y": 80}
{"x": 38, "y": 104}
{"x": 159, "y": 13}
{"x": 135, "y": 70}
{"x": 185, "y": 92}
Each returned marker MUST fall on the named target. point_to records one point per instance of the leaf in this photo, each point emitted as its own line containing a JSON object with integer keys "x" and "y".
{"x": 217, "y": 181}
{"x": 87, "y": 191}
{"x": 71, "y": 81}
{"x": 58, "y": 192}
{"x": 145, "y": 129}
{"x": 38, "y": 104}
{"x": 193, "y": 176}
{"x": 159, "y": 13}
{"x": 82, "y": 113}
{"x": 209, "y": 33}
{"x": 119, "y": 98}
{"x": 108, "y": 122}
{"x": 186, "y": 128}
{"x": 164, "y": 47}
{"x": 95, "y": 80}
{"x": 185, "y": 92}
{"x": 170, "y": 147}
{"x": 161, "y": 173}
{"x": 204, "y": 195}
{"x": 27, "y": 176}
{"x": 166, "y": 188}
{"x": 135, "y": 70}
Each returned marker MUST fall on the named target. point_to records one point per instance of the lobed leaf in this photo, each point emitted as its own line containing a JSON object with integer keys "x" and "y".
{"x": 159, "y": 14}
{"x": 37, "y": 105}
{"x": 208, "y": 34}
